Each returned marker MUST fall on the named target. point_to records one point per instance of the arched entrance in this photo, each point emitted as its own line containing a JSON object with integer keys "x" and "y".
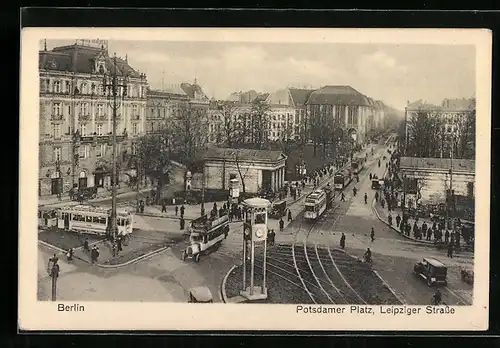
{"x": 99, "y": 175}
{"x": 82, "y": 180}
{"x": 56, "y": 183}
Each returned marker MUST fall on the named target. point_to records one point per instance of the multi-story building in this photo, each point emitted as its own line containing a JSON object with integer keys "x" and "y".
{"x": 345, "y": 107}
{"x": 161, "y": 106}
{"x": 75, "y": 118}
{"x": 281, "y": 115}
{"x": 453, "y": 114}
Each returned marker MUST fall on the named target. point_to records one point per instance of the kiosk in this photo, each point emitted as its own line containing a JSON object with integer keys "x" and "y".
{"x": 254, "y": 233}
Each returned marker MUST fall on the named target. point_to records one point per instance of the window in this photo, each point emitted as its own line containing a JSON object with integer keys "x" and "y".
{"x": 134, "y": 110}
{"x": 83, "y": 130}
{"x": 99, "y": 129}
{"x": 57, "y": 86}
{"x": 84, "y": 109}
{"x": 56, "y": 109}
{"x": 100, "y": 109}
{"x": 67, "y": 87}
{"x": 470, "y": 189}
{"x": 100, "y": 90}
{"x": 100, "y": 150}
{"x": 42, "y": 85}
{"x": 57, "y": 154}
{"x": 56, "y": 131}
{"x": 83, "y": 151}
{"x": 134, "y": 128}
{"x": 83, "y": 88}
{"x": 69, "y": 110}
{"x": 133, "y": 149}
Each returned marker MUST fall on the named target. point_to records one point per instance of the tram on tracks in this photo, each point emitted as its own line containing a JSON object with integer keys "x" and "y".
{"x": 357, "y": 165}
{"x": 94, "y": 220}
{"x": 317, "y": 202}
{"x": 206, "y": 234}
{"x": 342, "y": 179}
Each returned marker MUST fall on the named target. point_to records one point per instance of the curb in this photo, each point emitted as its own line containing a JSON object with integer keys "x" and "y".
{"x": 223, "y": 285}
{"x": 142, "y": 257}
{"x": 401, "y": 300}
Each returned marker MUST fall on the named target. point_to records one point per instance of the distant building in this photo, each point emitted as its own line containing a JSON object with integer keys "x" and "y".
{"x": 281, "y": 118}
{"x": 75, "y": 119}
{"x": 260, "y": 169}
{"x": 161, "y": 106}
{"x": 451, "y": 111}
{"x": 345, "y": 107}
{"x": 431, "y": 178}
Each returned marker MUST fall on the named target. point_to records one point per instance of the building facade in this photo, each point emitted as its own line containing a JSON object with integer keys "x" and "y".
{"x": 161, "y": 106}
{"x": 432, "y": 180}
{"x": 75, "y": 117}
{"x": 343, "y": 108}
{"x": 255, "y": 169}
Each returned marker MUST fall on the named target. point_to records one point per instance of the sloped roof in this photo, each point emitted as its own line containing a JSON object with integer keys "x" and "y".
{"x": 261, "y": 97}
{"x": 424, "y": 163}
{"x": 167, "y": 94}
{"x": 250, "y": 155}
{"x": 338, "y": 95}
{"x": 191, "y": 89}
{"x": 80, "y": 59}
{"x": 300, "y": 96}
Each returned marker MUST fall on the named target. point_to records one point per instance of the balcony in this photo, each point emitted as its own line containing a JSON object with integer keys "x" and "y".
{"x": 83, "y": 117}
{"x": 101, "y": 139}
{"x": 57, "y": 117}
{"x": 102, "y": 117}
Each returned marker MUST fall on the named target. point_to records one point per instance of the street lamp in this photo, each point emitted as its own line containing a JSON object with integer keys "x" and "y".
{"x": 59, "y": 177}
{"x": 114, "y": 87}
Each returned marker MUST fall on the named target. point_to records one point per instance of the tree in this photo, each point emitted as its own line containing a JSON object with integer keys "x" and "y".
{"x": 465, "y": 135}
{"x": 153, "y": 156}
{"x": 188, "y": 131}
{"x": 229, "y": 124}
{"x": 259, "y": 114}
{"x": 425, "y": 134}
{"x": 242, "y": 173}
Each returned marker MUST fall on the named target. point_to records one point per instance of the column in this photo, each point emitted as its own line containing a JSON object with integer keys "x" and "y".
{"x": 273, "y": 180}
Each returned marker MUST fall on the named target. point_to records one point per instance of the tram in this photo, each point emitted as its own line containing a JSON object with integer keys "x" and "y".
{"x": 93, "y": 220}
{"x": 342, "y": 179}
{"x": 357, "y": 165}
{"x": 206, "y": 233}
{"x": 317, "y": 202}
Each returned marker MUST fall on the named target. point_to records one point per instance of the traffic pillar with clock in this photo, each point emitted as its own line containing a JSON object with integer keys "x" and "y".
{"x": 254, "y": 235}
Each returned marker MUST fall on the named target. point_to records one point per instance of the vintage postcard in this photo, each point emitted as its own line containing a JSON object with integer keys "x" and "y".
{"x": 254, "y": 179}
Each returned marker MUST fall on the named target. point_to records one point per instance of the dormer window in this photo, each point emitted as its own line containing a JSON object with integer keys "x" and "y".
{"x": 101, "y": 69}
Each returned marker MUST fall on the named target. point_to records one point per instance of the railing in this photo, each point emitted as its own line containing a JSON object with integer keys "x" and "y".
{"x": 101, "y": 138}
{"x": 84, "y": 117}
{"x": 57, "y": 117}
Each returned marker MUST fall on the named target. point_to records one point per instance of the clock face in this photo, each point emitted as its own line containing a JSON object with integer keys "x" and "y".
{"x": 247, "y": 231}
{"x": 259, "y": 233}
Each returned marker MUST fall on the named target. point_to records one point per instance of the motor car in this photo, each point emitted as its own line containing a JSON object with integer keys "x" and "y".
{"x": 200, "y": 294}
{"x": 432, "y": 270}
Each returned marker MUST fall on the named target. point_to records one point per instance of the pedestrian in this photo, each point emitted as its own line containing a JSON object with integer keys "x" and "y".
{"x": 86, "y": 245}
{"x": 390, "y": 220}
{"x": 182, "y": 223}
{"x": 372, "y": 235}
{"x": 69, "y": 254}
{"x": 429, "y": 234}
{"x": 176, "y": 210}
{"x": 398, "y": 220}
{"x": 272, "y": 236}
{"x": 342, "y": 197}
{"x": 182, "y": 211}
{"x": 370, "y": 176}
{"x": 366, "y": 198}
{"x": 282, "y": 224}
{"x": 376, "y": 196}
{"x": 92, "y": 254}
{"x": 230, "y": 215}
{"x": 163, "y": 207}
{"x": 424, "y": 229}
{"x": 357, "y": 178}
{"x": 450, "y": 250}
{"x": 289, "y": 215}
{"x": 447, "y": 236}
{"x": 215, "y": 206}
{"x": 114, "y": 249}
{"x": 382, "y": 203}
{"x": 342, "y": 241}
{"x": 119, "y": 243}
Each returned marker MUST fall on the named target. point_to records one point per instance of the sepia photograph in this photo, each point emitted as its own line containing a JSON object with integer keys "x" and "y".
{"x": 337, "y": 176}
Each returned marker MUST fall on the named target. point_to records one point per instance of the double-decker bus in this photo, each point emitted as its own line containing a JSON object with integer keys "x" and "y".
{"x": 342, "y": 179}
{"x": 94, "y": 220}
{"x": 317, "y": 202}
{"x": 206, "y": 233}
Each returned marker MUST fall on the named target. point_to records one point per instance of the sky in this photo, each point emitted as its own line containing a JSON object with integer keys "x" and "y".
{"x": 393, "y": 73}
